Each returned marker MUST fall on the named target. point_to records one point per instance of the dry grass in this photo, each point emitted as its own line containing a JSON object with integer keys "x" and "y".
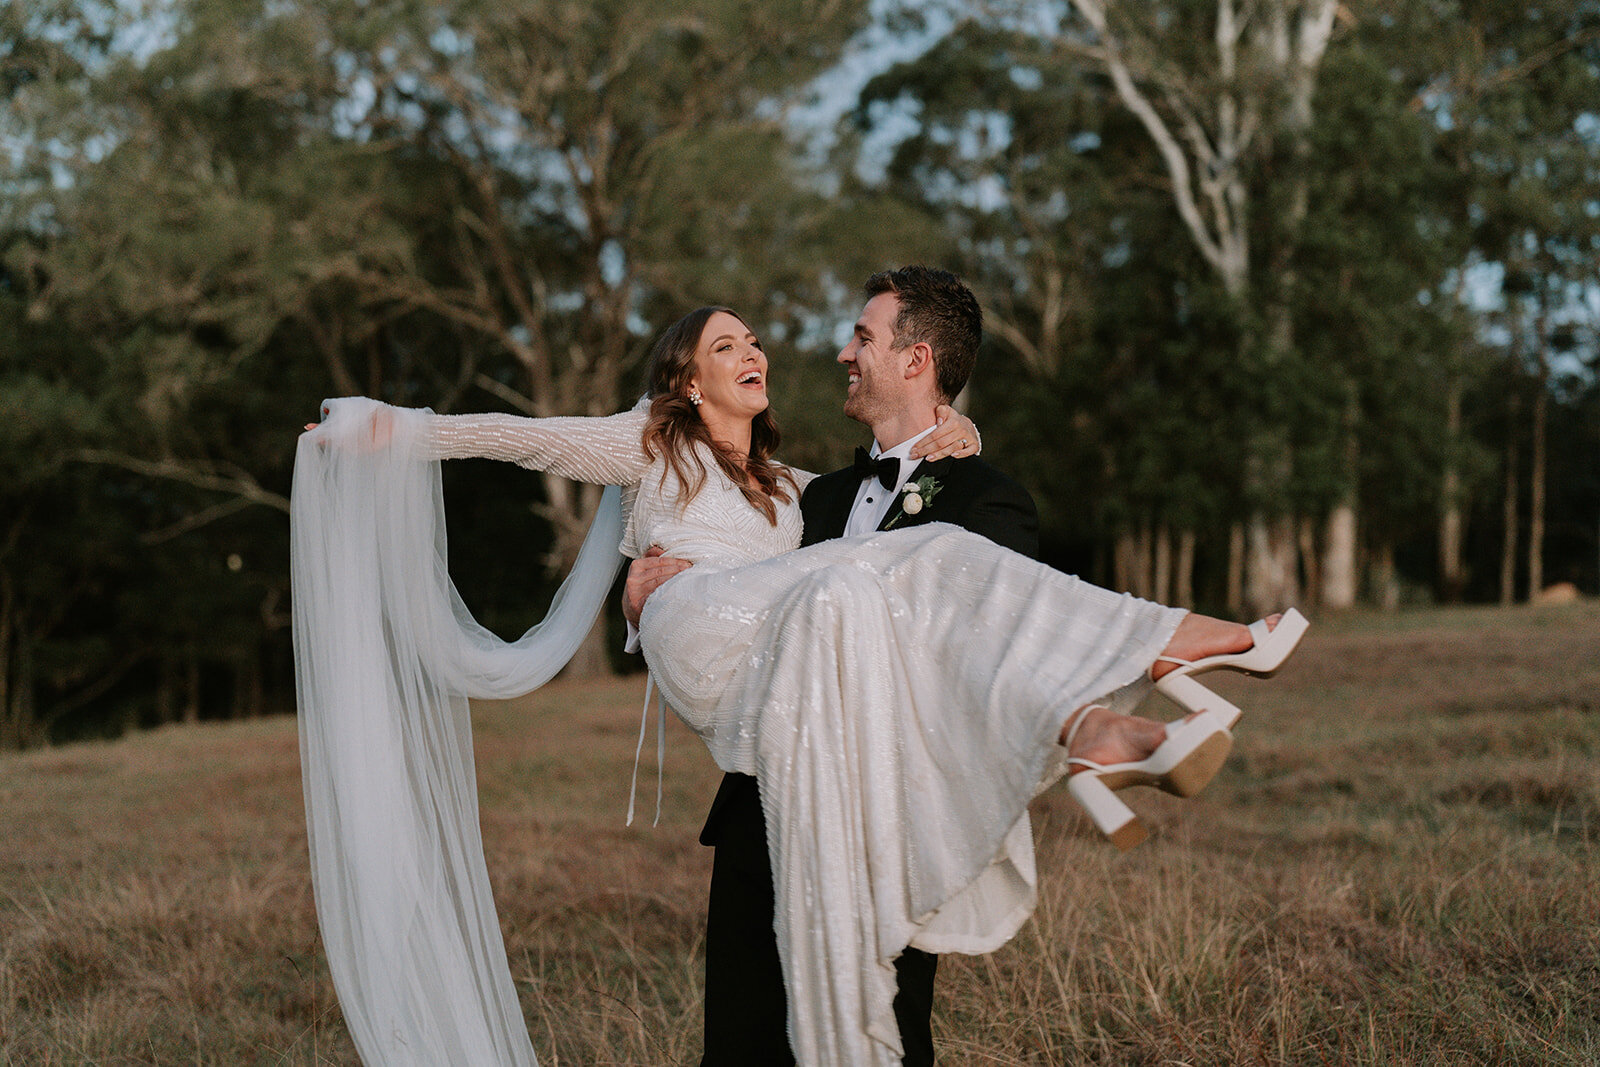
{"x": 1397, "y": 867}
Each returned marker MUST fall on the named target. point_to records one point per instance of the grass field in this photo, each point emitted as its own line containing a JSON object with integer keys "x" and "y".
{"x": 1398, "y": 866}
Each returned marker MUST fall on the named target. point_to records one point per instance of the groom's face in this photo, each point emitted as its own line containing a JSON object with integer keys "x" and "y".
{"x": 877, "y": 384}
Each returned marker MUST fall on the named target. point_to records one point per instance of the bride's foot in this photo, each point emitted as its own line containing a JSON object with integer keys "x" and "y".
{"x": 1202, "y": 644}
{"x": 1107, "y": 752}
{"x": 1099, "y": 735}
{"x": 1199, "y": 637}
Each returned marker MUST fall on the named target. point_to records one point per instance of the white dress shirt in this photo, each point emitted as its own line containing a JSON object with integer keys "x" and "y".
{"x": 872, "y": 499}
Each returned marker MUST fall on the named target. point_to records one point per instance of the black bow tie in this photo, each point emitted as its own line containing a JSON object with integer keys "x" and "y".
{"x": 886, "y": 470}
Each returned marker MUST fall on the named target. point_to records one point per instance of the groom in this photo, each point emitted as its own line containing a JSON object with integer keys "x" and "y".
{"x": 912, "y": 349}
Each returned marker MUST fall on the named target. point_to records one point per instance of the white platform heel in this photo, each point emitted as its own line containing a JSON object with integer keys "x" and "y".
{"x": 1195, "y": 749}
{"x": 1271, "y": 648}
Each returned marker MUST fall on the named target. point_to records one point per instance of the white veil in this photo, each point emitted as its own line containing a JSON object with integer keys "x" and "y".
{"x": 386, "y": 655}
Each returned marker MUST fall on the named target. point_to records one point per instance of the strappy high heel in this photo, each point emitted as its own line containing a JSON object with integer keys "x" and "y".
{"x": 1272, "y": 646}
{"x": 1182, "y": 765}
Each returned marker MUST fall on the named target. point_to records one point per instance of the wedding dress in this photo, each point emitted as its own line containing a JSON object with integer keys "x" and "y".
{"x": 898, "y": 695}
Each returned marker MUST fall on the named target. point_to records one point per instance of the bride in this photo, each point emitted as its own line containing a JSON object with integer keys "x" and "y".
{"x": 900, "y": 696}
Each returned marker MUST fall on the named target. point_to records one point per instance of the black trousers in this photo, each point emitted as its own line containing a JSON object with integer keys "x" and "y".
{"x": 746, "y": 1015}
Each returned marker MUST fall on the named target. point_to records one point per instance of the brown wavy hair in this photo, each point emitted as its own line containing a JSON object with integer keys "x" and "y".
{"x": 674, "y": 426}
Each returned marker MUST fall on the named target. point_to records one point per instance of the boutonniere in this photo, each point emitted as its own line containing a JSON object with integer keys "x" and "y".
{"x": 916, "y": 496}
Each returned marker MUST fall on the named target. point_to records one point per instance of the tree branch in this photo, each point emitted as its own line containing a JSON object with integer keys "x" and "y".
{"x": 1171, "y": 152}
{"x": 236, "y": 482}
{"x": 196, "y": 520}
{"x": 508, "y": 394}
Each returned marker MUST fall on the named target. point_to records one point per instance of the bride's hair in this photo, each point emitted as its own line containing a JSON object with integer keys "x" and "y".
{"x": 674, "y": 425}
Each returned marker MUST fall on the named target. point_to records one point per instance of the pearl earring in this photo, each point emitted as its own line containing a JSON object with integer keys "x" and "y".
{"x": 694, "y": 397}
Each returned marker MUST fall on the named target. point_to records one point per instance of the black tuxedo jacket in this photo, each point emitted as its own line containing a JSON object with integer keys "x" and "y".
{"x": 972, "y": 495}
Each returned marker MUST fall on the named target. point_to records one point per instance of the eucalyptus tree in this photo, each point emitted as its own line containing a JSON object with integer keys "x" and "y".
{"x": 1376, "y": 323}
{"x": 1040, "y": 180}
{"x": 1510, "y": 91}
{"x": 1514, "y": 91}
{"x": 1061, "y": 192}
{"x": 1226, "y": 92}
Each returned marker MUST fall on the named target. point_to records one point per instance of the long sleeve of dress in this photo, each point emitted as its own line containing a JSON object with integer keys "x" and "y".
{"x": 604, "y": 450}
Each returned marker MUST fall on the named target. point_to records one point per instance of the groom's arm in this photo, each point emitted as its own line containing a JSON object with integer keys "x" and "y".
{"x": 645, "y": 576}
{"x": 1007, "y": 517}
{"x": 1001, "y": 510}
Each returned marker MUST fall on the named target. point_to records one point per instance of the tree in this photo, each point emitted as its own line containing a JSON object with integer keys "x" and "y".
{"x": 1218, "y": 113}
{"x": 1040, "y": 183}
{"x": 1508, "y": 88}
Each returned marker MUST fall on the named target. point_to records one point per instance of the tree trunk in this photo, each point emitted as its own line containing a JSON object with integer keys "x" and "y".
{"x": 1536, "y": 487}
{"x": 1536, "y": 473}
{"x": 166, "y": 696}
{"x": 247, "y": 687}
{"x": 1339, "y": 559}
{"x": 1259, "y": 574}
{"x": 8, "y": 739}
{"x": 592, "y": 660}
{"x": 1288, "y": 550}
{"x": 1306, "y": 539}
{"x": 1337, "y": 589}
{"x": 1161, "y": 587}
{"x": 18, "y": 725}
{"x": 1271, "y": 576}
{"x": 1235, "y": 595}
{"x": 1183, "y": 580}
{"x": 1452, "y": 574}
{"x": 1141, "y": 562}
{"x": 1122, "y": 557}
{"x": 1385, "y": 582}
{"x": 24, "y": 714}
{"x": 191, "y": 707}
{"x": 1452, "y": 523}
{"x": 1508, "y": 548}
{"x": 1271, "y": 579}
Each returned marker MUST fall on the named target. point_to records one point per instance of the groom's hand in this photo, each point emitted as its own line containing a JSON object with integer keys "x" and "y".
{"x": 645, "y": 575}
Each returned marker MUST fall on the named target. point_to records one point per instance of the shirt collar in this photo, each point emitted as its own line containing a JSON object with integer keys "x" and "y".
{"x": 901, "y": 451}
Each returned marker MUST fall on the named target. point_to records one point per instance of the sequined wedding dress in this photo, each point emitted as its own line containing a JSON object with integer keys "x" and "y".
{"x": 899, "y": 696}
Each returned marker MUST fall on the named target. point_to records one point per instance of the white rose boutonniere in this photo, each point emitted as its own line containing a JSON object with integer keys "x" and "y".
{"x": 916, "y": 496}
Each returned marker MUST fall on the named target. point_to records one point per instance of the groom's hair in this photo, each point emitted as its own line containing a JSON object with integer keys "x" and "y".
{"x": 935, "y": 308}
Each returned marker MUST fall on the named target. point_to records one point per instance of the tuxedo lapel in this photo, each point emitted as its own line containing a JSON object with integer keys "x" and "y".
{"x": 839, "y": 505}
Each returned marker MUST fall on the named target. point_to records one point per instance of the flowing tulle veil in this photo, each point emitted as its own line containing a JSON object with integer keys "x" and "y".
{"x": 386, "y": 657}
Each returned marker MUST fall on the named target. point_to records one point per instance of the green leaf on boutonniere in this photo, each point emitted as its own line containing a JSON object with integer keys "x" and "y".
{"x": 914, "y": 497}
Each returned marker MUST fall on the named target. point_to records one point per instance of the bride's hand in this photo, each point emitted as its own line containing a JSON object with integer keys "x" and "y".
{"x": 379, "y": 432}
{"x": 954, "y": 435}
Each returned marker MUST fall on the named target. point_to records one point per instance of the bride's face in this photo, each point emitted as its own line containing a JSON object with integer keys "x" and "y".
{"x": 730, "y": 371}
